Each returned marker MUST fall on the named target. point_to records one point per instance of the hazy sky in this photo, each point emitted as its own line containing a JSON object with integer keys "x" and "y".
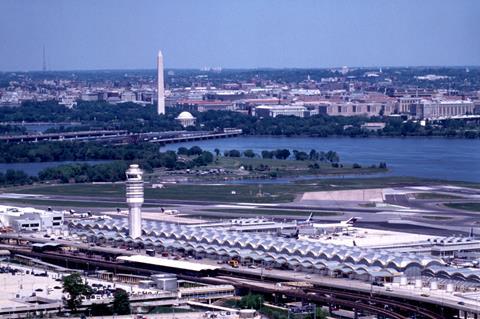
{"x": 126, "y": 34}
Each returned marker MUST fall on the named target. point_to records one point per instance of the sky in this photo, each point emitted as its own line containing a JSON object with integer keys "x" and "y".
{"x": 126, "y": 34}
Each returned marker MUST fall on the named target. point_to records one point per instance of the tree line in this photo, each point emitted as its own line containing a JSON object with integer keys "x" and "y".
{"x": 137, "y": 118}
{"x": 146, "y": 155}
{"x": 283, "y": 154}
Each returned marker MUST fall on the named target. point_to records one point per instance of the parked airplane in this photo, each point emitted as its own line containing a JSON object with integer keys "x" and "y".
{"x": 289, "y": 234}
{"x": 170, "y": 211}
{"x": 74, "y": 214}
{"x": 307, "y": 221}
{"x": 103, "y": 217}
{"x": 343, "y": 225}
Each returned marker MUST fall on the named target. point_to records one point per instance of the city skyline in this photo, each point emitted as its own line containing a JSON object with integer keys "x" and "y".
{"x": 80, "y": 35}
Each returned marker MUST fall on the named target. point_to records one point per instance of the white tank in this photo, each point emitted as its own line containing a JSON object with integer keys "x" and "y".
{"x": 49, "y": 231}
{"x": 450, "y": 288}
{"x": 65, "y": 233}
{"x": 403, "y": 281}
{"x": 433, "y": 285}
{"x": 418, "y": 283}
{"x": 57, "y": 231}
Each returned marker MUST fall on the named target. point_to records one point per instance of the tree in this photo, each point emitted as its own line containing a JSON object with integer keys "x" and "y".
{"x": 182, "y": 151}
{"x": 232, "y": 153}
{"x": 195, "y": 150}
{"x": 217, "y": 152}
{"x": 249, "y": 153}
{"x": 314, "y": 155}
{"x": 121, "y": 302}
{"x": 267, "y": 154}
{"x": 75, "y": 287}
{"x": 282, "y": 154}
{"x": 251, "y": 301}
{"x": 332, "y": 157}
{"x": 300, "y": 156}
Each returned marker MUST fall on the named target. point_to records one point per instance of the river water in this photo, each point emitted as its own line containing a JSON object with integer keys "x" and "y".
{"x": 439, "y": 158}
{"x": 34, "y": 168}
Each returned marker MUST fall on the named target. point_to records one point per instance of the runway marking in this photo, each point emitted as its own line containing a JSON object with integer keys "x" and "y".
{"x": 16, "y": 195}
{"x": 235, "y": 206}
{"x": 397, "y": 213}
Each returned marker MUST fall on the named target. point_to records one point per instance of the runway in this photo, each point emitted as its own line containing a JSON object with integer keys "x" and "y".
{"x": 400, "y": 211}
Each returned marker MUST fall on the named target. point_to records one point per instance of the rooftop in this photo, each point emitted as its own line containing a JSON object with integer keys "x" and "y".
{"x": 164, "y": 262}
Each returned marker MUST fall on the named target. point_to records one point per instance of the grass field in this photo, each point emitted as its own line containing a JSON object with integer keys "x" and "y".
{"x": 287, "y": 167}
{"x": 67, "y": 203}
{"x": 436, "y": 217}
{"x": 473, "y": 207}
{"x": 252, "y": 168}
{"x": 251, "y": 193}
{"x": 436, "y": 196}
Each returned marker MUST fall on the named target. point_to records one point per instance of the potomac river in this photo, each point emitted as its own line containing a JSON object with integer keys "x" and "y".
{"x": 439, "y": 158}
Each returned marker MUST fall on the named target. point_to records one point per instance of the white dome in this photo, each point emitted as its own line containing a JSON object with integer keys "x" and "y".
{"x": 185, "y": 116}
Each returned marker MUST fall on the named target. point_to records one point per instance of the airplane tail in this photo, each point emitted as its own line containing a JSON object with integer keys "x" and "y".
{"x": 351, "y": 221}
{"x": 309, "y": 218}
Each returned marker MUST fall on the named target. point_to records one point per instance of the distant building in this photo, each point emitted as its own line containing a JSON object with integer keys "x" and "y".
{"x": 186, "y": 119}
{"x": 444, "y": 109}
{"x": 30, "y": 219}
{"x": 358, "y": 108}
{"x": 89, "y": 97}
{"x": 373, "y": 126}
{"x": 203, "y": 106}
{"x": 277, "y": 110}
{"x": 128, "y": 96}
{"x": 408, "y": 105}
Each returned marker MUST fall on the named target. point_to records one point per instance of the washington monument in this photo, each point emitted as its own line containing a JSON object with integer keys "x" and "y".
{"x": 161, "y": 89}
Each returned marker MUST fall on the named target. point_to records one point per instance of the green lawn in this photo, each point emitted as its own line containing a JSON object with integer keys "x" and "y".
{"x": 436, "y": 217}
{"x": 473, "y": 207}
{"x": 290, "y": 167}
{"x": 68, "y": 203}
{"x": 436, "y": 196}
{"x": 251, "y": 193}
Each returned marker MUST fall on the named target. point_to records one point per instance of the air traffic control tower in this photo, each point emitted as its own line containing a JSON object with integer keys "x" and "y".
{"x": 134, "y": 186}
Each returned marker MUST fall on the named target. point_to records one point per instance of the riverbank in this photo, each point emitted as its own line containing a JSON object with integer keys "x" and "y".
{"x": 257, "y": 170}
{"x": 446, "y": 159}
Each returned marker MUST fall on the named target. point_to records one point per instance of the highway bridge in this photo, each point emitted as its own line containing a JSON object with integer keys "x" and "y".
{"x": 65, "y": 136}
{"x": 189, "y": 136}
{"x": 122, "y": 136}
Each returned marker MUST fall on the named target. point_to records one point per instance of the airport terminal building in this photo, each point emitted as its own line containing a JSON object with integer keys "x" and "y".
{"x": 269, "y": 250}
{"x": 30, "y": 219}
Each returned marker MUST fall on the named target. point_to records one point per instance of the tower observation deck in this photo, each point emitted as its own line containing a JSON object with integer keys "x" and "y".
{"x": 134, "y": 194}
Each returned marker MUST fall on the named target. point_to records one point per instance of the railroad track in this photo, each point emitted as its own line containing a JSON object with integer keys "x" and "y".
{"x": 300, "y": 294}
{"x": 354, "y": 298}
